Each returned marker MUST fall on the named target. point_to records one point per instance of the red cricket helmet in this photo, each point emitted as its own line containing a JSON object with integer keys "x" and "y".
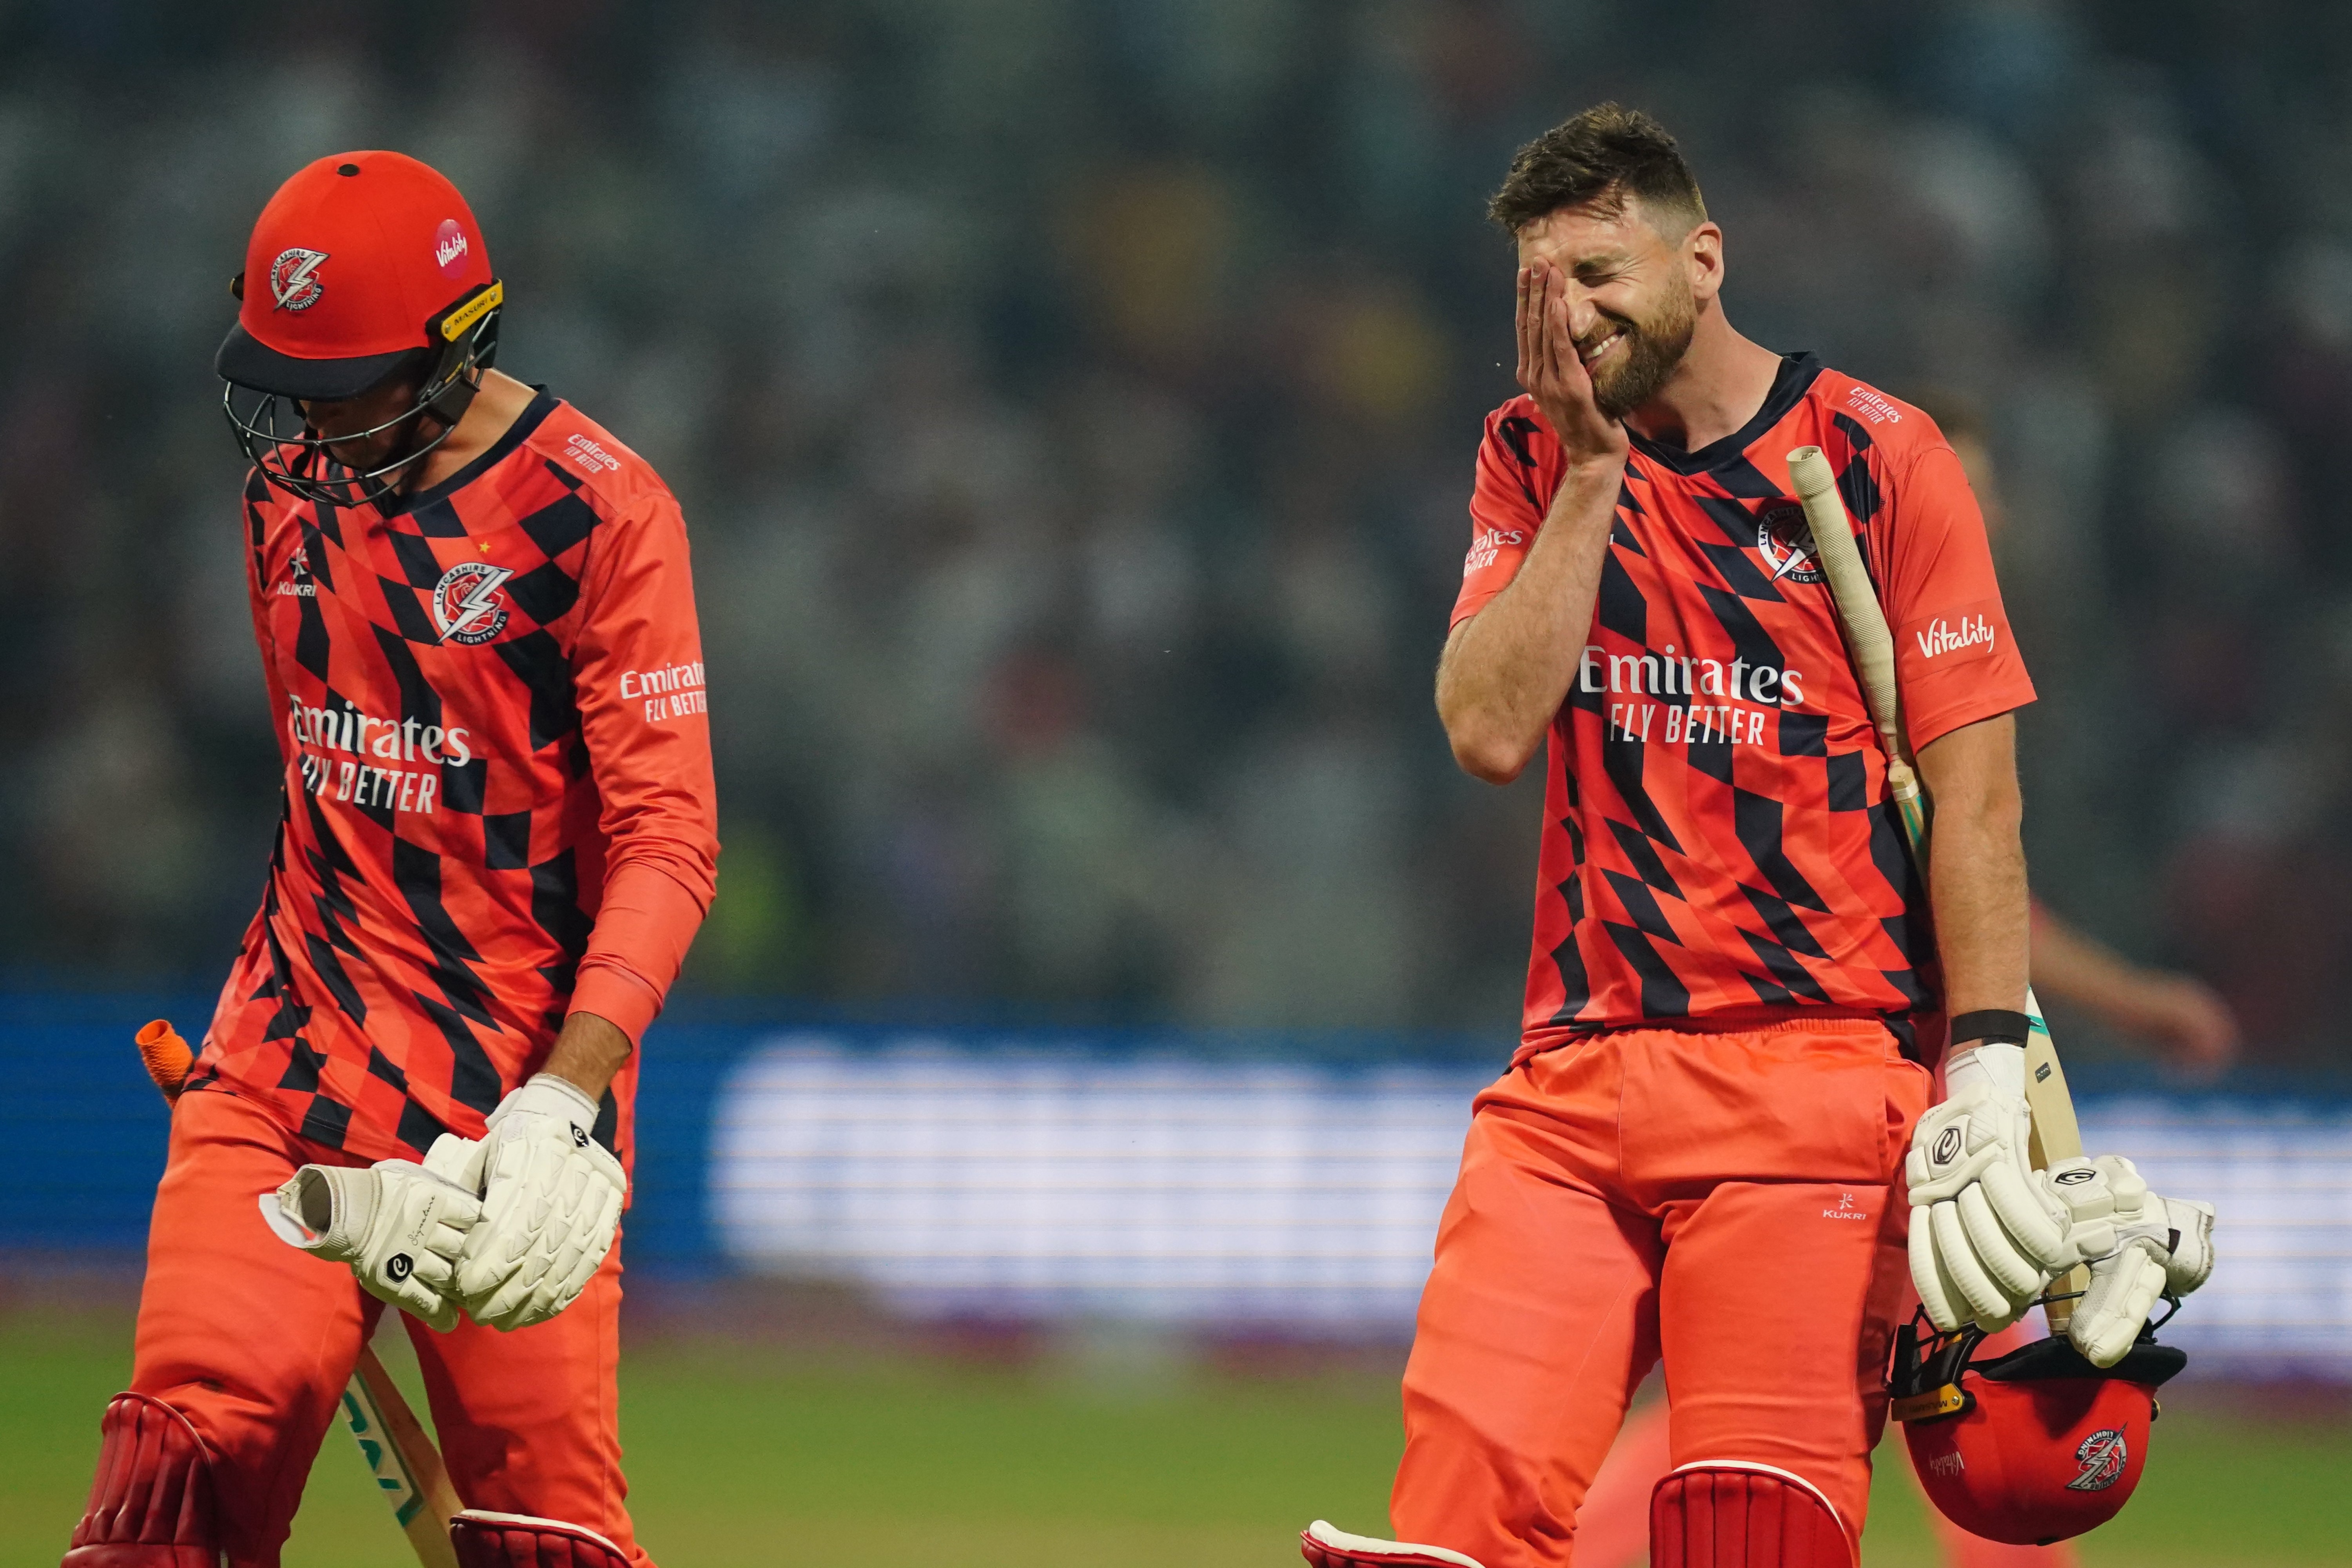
{"x": 2032, "y": 1447}
{"x": 364, "y": 266}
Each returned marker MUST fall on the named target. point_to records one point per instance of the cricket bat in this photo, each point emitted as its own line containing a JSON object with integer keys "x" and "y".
{"x": 2055, "y": 1135}
{"x": 400, "y": 1456}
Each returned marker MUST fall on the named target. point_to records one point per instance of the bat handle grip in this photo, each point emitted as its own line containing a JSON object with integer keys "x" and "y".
{"x": 166, "y": 1056}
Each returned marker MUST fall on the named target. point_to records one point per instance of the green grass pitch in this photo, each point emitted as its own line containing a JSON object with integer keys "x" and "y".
{"x": 848, "y": 1457}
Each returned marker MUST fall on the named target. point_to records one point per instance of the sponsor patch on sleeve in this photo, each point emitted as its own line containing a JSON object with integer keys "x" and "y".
{"x": 1487, "y": 546}
{"x": 668, "y": 692}
{"x": 1961, "y": 635}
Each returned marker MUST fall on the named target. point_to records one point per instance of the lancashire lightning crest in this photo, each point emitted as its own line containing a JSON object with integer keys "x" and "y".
{"x": 466, "y": 604}
{"x": 294, "y": 279}
{"x": 1786, "y": 542}
{"x": 2101, "y": 1457}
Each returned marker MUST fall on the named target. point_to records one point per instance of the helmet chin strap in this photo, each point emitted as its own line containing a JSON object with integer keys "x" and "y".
{"x": 378, "y": 483}
{"x": 387, "y": 482}
{"x": 443, "y": 399}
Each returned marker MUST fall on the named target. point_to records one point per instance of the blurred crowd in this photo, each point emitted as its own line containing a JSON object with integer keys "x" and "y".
{"x": 1073, "y": 403}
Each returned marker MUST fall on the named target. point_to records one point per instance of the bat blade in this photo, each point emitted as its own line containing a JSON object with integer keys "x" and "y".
{"x": 407, "y": 1467}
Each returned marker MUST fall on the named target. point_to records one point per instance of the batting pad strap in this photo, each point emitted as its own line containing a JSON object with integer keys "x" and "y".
{"x": 1734, "y": 1513}
{"x": 150, "y": 1504}
{"x": 1992, "y": 1024}
{"x": 1326, "y": 1545}
{"x": 484, "y": 1539}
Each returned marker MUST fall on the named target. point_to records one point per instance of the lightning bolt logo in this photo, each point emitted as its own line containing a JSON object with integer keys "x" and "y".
{"x": 466, "y": 604}
{"x": 2101, "y": 1457}
{"x": 294, "y": 278}
{"x": 1787, "y": 544}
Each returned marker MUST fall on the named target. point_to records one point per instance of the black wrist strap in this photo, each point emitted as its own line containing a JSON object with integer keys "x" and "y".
{"x": 1991, "y": 1026}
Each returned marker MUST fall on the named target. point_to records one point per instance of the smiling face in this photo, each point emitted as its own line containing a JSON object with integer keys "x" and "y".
{"x": 1634, "y": 293}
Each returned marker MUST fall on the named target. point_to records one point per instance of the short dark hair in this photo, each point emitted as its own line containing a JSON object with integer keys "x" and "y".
{"x": 1598, "y": 158}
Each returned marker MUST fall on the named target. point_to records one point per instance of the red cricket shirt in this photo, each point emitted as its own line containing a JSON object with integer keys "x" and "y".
{"x": 1718, "y": 842}
{"x": 498, "y": 787}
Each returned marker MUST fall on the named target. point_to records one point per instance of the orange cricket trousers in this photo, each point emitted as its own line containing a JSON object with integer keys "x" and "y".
{"x": 255, "y": 1340}
{"x": 1720, "y": 1198}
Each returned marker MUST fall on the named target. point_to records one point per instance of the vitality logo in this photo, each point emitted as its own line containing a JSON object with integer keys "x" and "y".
{"x": 449, "y": 247}
{"x": 1942, "y": 636}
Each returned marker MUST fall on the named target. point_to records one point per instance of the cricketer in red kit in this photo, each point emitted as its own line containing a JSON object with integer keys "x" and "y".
{"x": 477, "y": 631}
{"x": 2174, "y": 1014}
{"x": 1738, "y": 981}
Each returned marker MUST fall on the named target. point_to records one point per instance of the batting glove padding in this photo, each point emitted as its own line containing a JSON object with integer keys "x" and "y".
{"x": 1986, "y": 1234}
{"x": 551, "y": 1208}
{"x": 2139, "y": 1246}
{"x": 399, "y": 1225}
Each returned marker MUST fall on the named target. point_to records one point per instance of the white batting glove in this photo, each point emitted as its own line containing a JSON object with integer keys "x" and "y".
{"x": 1986, "y": 1236}
{"x": 2138, "y": 1246}
{"x": 399, "y": 1225}
{"x": 551, "y": 1206}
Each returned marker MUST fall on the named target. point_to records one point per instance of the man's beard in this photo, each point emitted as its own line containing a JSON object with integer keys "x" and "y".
{"x": 391, "y": 454}
{"x": 1653, "y": 348}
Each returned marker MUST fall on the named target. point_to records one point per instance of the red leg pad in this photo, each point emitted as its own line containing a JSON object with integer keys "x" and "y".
{"x": 151, "y": 1505}
{"x": 1326, "y": 1545}
{"x": 487, "y": 1540}
{"x": 1729, "y": 1516}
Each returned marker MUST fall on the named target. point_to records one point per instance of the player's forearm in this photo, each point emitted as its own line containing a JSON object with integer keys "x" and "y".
{"x": 1507, "y": 670}
{"x": 1976, "y": 868}
{"x": 1977, "y": 890}
{"x": 588, "y": 1053}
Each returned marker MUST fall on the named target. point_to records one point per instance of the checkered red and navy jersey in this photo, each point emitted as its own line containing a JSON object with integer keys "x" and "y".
{"x": 498, "y": 800}
{"x": 1716, "y": 837}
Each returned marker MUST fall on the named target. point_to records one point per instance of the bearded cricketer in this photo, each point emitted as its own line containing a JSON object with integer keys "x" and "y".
{"x": 1740, "y": 983}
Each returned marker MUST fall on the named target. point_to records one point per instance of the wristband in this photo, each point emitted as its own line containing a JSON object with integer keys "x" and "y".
{"x": 1994, "y": 1024}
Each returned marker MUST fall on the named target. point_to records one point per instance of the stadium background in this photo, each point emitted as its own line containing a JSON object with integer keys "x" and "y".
{"x": 1072, "y": 403}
